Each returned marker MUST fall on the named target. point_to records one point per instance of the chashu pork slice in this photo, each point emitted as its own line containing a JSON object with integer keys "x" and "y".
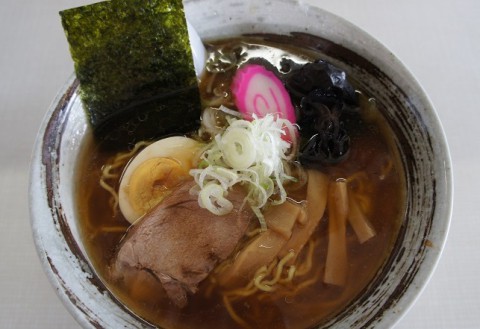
{"x": 180, "y": 243}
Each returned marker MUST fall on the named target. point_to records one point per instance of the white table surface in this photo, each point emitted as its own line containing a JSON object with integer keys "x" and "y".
{"x": 438, "y": 40}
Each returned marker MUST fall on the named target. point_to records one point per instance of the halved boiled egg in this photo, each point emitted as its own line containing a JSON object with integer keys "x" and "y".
{"x": 152, "y": 174}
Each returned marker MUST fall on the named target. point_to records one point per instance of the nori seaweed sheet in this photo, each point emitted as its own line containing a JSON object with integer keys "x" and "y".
{"x": 135, "y": 67}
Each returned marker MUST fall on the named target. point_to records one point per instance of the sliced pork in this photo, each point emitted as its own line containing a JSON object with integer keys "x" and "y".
{"x": 180, "y": 243}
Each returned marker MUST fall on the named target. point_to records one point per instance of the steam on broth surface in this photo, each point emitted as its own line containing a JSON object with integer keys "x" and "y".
{"x": 294, "y": 290}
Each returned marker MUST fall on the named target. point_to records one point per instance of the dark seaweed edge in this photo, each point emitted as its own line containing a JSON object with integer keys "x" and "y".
{"x": 131, "y": 58}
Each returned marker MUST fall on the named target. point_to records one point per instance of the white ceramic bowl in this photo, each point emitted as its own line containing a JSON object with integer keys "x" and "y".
{"x": 421, "y": 139}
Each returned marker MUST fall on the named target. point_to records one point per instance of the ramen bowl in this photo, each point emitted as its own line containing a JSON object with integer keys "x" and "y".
{"x": 407, "y": 109}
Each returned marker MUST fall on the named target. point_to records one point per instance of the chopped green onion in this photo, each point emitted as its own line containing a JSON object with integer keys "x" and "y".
{"x": 212, "y": 198}
{"x": 251, "y": 153}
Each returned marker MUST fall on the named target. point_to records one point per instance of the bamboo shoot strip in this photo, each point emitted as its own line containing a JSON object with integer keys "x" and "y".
{"x": 317, "y": 190}
{"x": 359, "y": 222}
{"x": 266, "y": 246}
{"x": 336, "y": 263}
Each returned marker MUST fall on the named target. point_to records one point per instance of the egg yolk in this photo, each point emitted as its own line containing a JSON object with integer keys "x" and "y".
{"x": 152, "y": 181}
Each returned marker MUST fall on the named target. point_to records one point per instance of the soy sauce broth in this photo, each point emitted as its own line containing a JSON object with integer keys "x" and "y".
{"x": 373, "y": 158}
